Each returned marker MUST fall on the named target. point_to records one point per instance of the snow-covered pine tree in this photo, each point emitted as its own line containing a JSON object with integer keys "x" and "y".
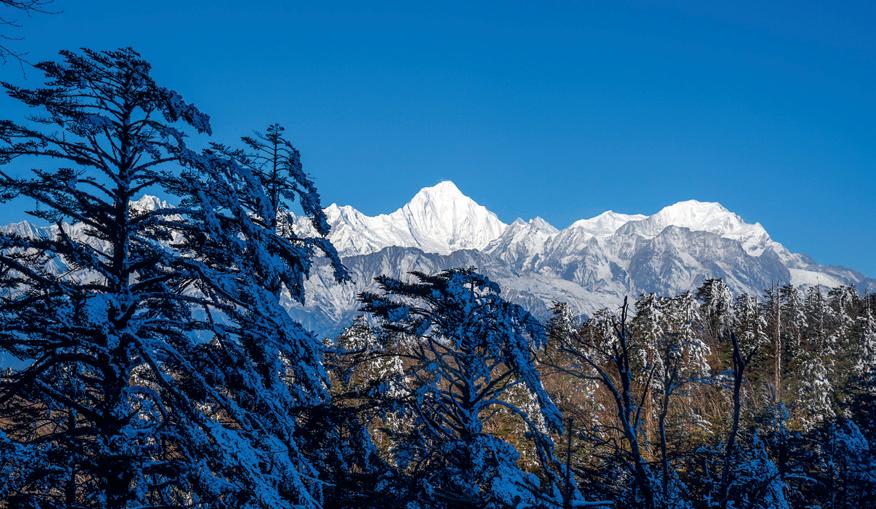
{"x": 818, "y": 323}
{"x": 846, "y": 466}
{"x": 103, "y": 133}
{"x": 752, "y": 331}
{"x": 749, "y": 324}
{"x": 793, "y": 319}
{"x": 577, "y": 398}
{"x": 771, "y": 309}
{"x": 756, "y": 481}
{"x": 471, "y": 348}
{"x": 648, "y": 334}
{"x": 845, "y": 306}
{"x": 561, "y": 322}
{"x": 865, "y": 343}
{"x": 741, "y": 357}
{"x": 364, "y": 422}
{"x": 647, "y": 328}
{"x": 717, "y": 304}
{"x": 238, "y": 210}
{"x": 815, "y": 391}
{"x": 116, "y": 401}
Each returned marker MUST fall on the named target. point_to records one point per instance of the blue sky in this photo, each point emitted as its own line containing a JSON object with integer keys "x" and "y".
{"x": 561, "y": 109}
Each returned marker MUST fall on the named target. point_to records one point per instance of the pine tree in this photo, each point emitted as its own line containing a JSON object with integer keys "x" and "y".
{"x": 757, "y": 482}
{"x": 278, "y": 376}
{"x": 818, "y": 323}
{"x": 814, "y": 402}
{"x": 717, "y": 303}
{"x": 865, "y": 343}
{"x": 373, "y": 375}
{"x": 845, "y": 306}
{"x": 117, "y": 402}
{"x": 848, "y": 466}
{"x": 772, "y": 311}
{"x": 472, "y": 348}
{"x": 561, "y": 322}
{"x": 794, "y": 324}
{"x": 683, "y": 360}
{"x": 749, "y": 324}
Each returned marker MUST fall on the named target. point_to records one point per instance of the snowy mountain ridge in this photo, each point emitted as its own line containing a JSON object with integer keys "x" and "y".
{"x": 592, "y": 263}
{"x": 441, "y": 219}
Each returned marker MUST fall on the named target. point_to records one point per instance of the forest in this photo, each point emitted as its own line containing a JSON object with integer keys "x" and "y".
{"x": 156, "y": 364}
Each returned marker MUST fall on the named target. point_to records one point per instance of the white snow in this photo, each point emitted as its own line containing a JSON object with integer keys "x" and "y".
{"x": 441, "y": 219}
{"x": 803, "y": 277}
{"x": 606, "y": 223}
{"x": 438, "y": 219}
{"x": 709, "y": 217}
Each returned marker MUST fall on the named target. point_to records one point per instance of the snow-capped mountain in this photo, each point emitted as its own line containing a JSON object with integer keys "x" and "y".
{"x": 605, "y": 224}
{"x": 439, "y": 219}
{"x": 591, "y": 264}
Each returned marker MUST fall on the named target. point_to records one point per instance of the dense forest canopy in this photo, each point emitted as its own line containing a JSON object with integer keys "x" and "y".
{"x": 158, "y": 366}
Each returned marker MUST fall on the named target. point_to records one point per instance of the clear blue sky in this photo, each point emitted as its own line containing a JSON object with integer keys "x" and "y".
{"x": 555, "y": 108}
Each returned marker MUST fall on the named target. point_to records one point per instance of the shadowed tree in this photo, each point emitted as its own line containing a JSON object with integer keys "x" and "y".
{"x": 469, "y": 348}
{"x": 278, "y": 377}
{"x": 115, "y": 313}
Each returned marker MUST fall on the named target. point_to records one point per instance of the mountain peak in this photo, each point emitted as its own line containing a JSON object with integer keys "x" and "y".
{"x": 444, "y": 192}
{"x": 149, "y": 202}
{"x": 700, "y": 215}
{"x": 438, "y": 219}
{"x": 709, "y": 217}
{"x": 605, "y": 223}
{"x": 441, "y": 219}
{"x": 445, "y": 187}
{"x": 692, "y": 211}
{"x": 542, "y": 225}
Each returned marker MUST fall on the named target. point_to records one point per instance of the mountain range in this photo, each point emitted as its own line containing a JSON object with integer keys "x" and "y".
{"x": 593, "y": 263}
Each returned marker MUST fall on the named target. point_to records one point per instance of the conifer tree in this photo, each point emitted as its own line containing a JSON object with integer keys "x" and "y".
{"x": 717, "y": 303}
{"x": 865, "y": 351}
{"x": 248, "y": 245}
{"x": 472, "y": 348}
{"x": 119, "y": 312}
{"x": 793, "y": 319}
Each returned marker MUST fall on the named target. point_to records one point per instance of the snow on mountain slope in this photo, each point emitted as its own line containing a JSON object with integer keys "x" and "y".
{"x": 803, "y": 277}
{"x": 522, "y": 242}
{"x": 706, "y": 217}
{"x": 594, "y": 262}
{"x": 591, "y": 264}
{"x": 606, "y": 223}
{"x": 438, "y": 219}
